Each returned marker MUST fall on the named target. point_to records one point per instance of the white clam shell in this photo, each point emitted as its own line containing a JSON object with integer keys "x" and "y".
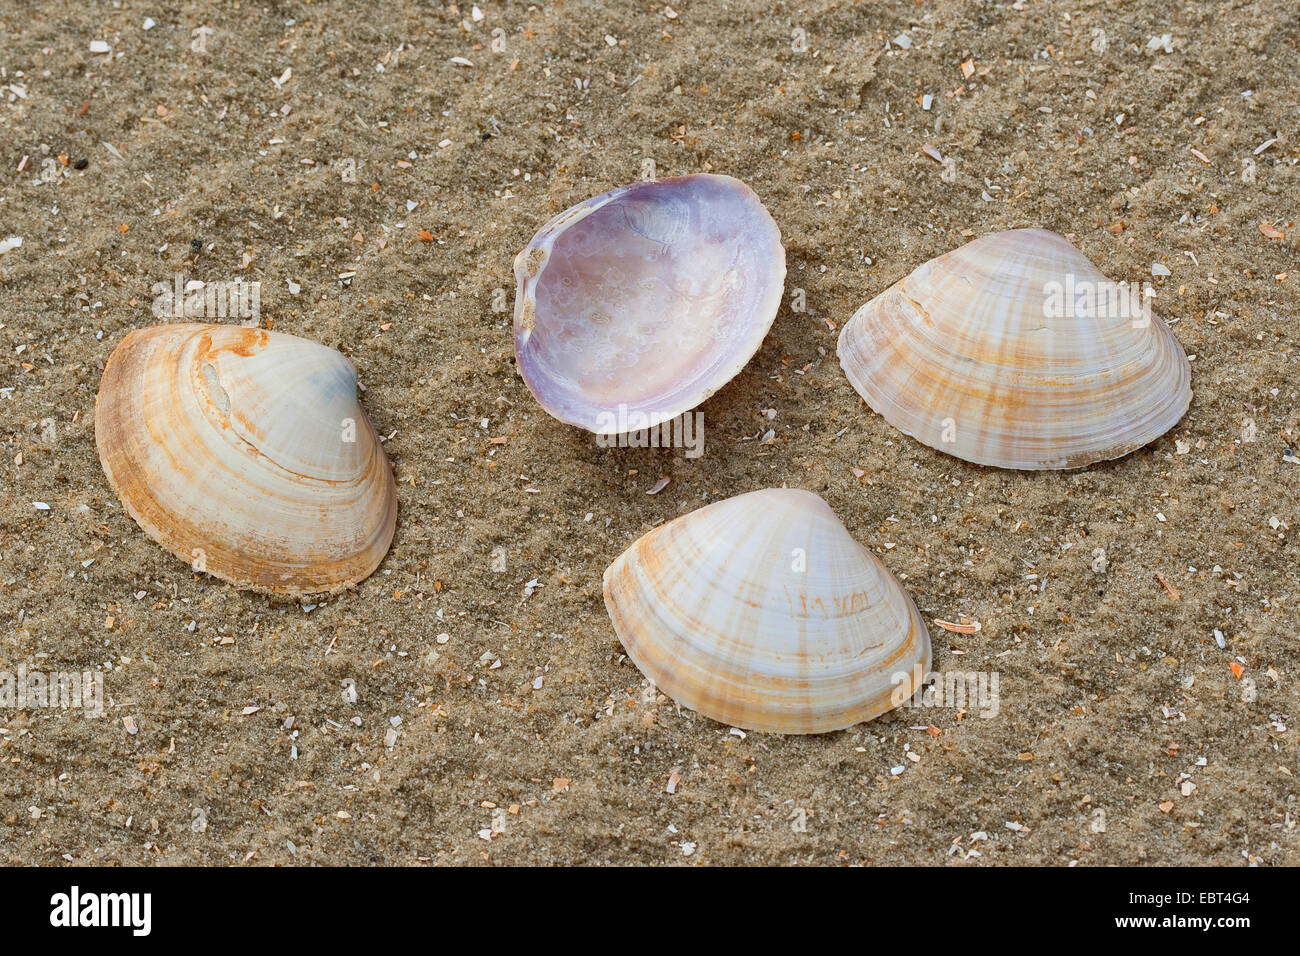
{"x": 762, "y": 612}
{"x": 638, "y": 304}
{"x": 245, "y": 453}
{"x": 963, "y": 355}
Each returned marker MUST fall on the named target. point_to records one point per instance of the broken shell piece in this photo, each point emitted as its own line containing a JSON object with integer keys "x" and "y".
{"x": 762, "y": 612}
{"x": 245, "y": 453}
{"x": 636, "y": 305}
{"x": 1014, "y": 350}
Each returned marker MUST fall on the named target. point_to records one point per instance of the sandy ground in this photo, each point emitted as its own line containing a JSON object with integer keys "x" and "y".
{"x": 222, "y": 165}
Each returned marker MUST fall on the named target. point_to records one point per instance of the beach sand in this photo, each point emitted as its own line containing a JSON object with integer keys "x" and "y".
{"x": 1123, "y": 734}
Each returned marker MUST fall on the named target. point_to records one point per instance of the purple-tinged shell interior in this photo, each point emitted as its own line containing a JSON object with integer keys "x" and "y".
{"x": 638, "y": 304}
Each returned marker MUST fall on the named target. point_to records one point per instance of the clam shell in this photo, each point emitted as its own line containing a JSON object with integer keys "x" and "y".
{"x": 762, "y": 612}
{"x": 638, "y": 304}
{"x": 245, "y": 453}
{"x": 963, "y": 355}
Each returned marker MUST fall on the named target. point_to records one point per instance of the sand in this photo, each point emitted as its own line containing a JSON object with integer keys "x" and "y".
{"x": 1123, "y": 733}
